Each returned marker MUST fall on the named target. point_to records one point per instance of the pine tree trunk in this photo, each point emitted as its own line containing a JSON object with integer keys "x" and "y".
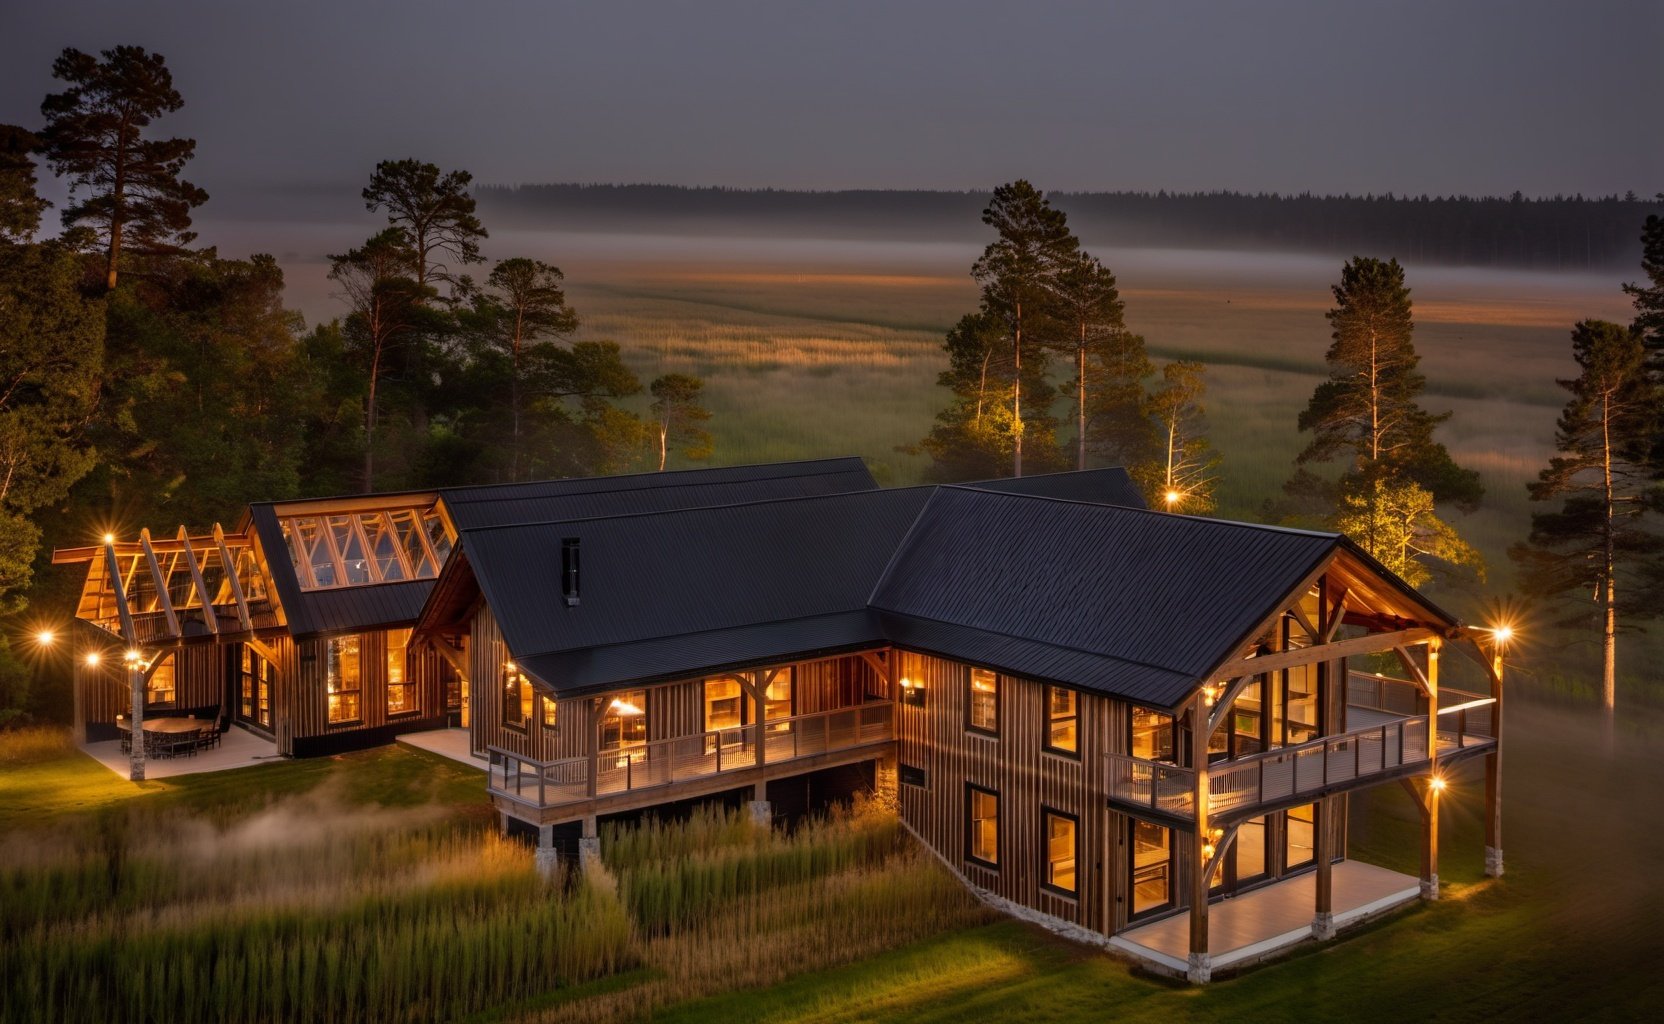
{"x": 514, "y": 399}
{"x": 664, "y": 437}
{"x": 1609, "y": 642}
{"x": 1017, "y": 396}
{"x": 1080, "y": 400}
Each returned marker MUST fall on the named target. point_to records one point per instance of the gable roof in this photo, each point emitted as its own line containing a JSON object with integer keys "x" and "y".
{"x": 1138, "y": 604}
{"x": 385, "y": 605}
{"x": 671, "y": 594}
{"x": 1115, "y": 599}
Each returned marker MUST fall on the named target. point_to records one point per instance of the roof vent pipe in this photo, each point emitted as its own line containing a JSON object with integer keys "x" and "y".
{"x": 569, "y": 570}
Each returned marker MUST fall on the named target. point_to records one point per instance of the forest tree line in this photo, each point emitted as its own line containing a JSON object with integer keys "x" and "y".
{"x": 145, "y": 381}
{"x": 1546, "y": 233}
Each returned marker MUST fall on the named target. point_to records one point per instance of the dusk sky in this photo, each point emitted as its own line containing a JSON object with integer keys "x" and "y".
{"x": 1472, "y": 97}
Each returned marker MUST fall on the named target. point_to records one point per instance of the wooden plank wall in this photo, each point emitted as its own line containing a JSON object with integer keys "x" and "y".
{"x": 300, "y": 701}
{"x": 1026, "y": 778}
{"x": 673, "y": 709}
{"x": 102, "y": 691}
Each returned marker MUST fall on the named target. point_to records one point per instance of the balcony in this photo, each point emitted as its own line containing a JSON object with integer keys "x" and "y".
{"x": 1388, "y": 740}
{"x": 686, "y": 766}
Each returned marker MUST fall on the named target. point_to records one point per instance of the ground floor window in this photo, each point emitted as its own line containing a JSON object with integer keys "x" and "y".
{"x": 779, "y": 701}
{"x": 624, "y": 725}
{"x": 343, "y": 679}
{"x": 1302, "y": 835}
{"x": 1062, "y": 850}
{"x": 159, "y": 689}
{"x": 724, "y": 704}
{"x": 982, "y": 825}
{"x": 255, "y": 678}
{"x": 1152, "y": 867}
{"x": 401, "y": 689}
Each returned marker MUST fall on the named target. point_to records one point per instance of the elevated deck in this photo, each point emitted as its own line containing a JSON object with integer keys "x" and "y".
{"x": 685, "y": 767}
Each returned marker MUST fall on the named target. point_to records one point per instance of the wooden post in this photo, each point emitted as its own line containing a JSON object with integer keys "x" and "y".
{"x": 1323, "y": 920}
{"x": 1199, "y": 970}
{"x": 1435, "y": 782}
{"x": 547, "y": 858}
{"x": 1493, "y": 772}
{"x": 594, "y": 743}
{"x": 589, "y": 844}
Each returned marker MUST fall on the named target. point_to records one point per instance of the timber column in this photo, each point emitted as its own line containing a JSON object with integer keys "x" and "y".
{"x": 1435, "y": 782}
{"x": 1323, "y": 921}
{"x": 1493, "y": 768}
{"x": 1199, "y": 969}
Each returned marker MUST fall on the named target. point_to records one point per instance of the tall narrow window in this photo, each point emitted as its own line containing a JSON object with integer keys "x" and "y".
{"x": 983, "y": 706}
{"x": 401, "y": 690}
{"x": 159, "y": 691}
{"x": 246, "y": 682}
{"x": 517, "y": 696}
{"x": 1152, "y": 867}
{"x": 982, "y": 825}
{"x": 1062, "y": 721}
{"x": 343, "y": 680}
{"x": 255, "y": 678}
{"x": 1300, "y": 710}
{"x": 551, "y": 713}
{"x": 724, "y": 704}
{"x": 625, "y": 723}
{"x": 1061, "y": 851}
{"x": 1247, "y": 720}
{"x": 1302, "y": 836}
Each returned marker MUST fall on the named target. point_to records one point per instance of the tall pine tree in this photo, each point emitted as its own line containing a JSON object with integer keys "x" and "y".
{"x": 128, "y": 186}
{"x": 1589, "y": 551}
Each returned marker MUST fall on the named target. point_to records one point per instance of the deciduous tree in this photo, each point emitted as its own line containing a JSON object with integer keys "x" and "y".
{"x": 51, "y": 361}
{"x": 1181, "y": 478}
{"x": 126, "y": 185}
{"x": 678, "y": 416}
{"x": 1397, "y": 523}
{"x": 1588, "y": 551}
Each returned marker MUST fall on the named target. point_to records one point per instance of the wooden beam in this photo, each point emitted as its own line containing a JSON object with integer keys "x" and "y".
{"x": 455, "y": 657}
{"x": 881, "y": 665}
{"x": 209, "y": 618}
{"x": 1373, "y": 643}
{"x": 1306, "y": 623}
{"x": 161, "y": 583}
{"x": 128, "y": 635}
{"x": 1336, "y": 617}
{"x": 262, "y": 648}
{"x": 231, "y": 578}
{"x": 1223, "y": 701}
{"x": 1417, "y": 676}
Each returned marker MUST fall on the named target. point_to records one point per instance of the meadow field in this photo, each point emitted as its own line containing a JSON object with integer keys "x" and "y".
{"x": 374, "y": 887}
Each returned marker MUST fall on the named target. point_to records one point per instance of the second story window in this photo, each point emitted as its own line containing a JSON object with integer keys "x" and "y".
{"x": 551, "y": 713}
{"x": 1062, "y": 721}
{"x": 517, "y": 696}
{"x": 343, "y": 680}
{"x": 624, "y": 723}
{"x": 1153, "y": 736}
{"x": 983, "y": 708}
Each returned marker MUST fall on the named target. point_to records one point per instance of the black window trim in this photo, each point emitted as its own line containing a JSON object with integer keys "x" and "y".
{"x": 970, "y": 826}
{"x": 1047, "y": 811}
{"x": 999, "y": 701}
{"x": 1047, "y": 720}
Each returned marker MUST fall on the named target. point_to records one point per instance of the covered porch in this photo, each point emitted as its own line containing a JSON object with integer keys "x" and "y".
{"x": 1263, "y": 922}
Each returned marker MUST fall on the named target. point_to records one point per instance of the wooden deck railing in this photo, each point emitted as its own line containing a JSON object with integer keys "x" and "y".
{"x": 1239, "y": 788}
{"x": 683, "y": 758}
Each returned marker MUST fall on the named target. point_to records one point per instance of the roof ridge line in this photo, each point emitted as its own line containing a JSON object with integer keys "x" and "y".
{"x": 1031, "y": 640}
{"x": 863, "y": 610}
{"x": 1142, "y": 511}
{"x": 701, "y": 508}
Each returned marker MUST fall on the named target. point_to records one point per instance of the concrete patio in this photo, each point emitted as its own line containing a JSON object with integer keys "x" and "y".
{"x": 238, "y": 748}
{"x": 1266, "y": 921}
{"x": 450, "y": 743}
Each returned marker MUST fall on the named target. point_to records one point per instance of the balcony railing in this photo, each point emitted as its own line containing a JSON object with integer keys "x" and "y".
{"x": 1239, "y": 788}
{"x": 685, "y": 758}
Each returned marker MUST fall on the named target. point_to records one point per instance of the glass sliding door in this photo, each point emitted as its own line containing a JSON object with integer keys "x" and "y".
{"x": 1152, "y": 867}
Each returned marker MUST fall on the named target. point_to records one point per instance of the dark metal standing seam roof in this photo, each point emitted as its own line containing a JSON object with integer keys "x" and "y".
{"x": 677, "y": 593}
{"x": 1108, "y": 486}
{"x": 1129, "y": 602}
{"x": 388, "y": 605}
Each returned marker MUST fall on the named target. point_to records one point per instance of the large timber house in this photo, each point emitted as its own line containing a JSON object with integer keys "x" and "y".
{"x": 1108, "y": 718}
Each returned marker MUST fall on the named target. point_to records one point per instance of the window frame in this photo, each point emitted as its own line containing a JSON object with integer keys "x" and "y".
{"x": 334, "y": 658}
{"x": 972, "y": 791}
{"x": 172, "y": 691}
{"x": 514, "y": 682}
{"x": 1046, "y": 814}
{"x": 1133, "y": 868}
{"x": 1051, "y": 720}
{"x": 413, "y": 703}
{"x": 611, "y": 712}
{"x": 971, "y": 692}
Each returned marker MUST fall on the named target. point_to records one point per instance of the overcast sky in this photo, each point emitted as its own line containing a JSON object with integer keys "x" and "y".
{"x": 1326, "y": 95}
